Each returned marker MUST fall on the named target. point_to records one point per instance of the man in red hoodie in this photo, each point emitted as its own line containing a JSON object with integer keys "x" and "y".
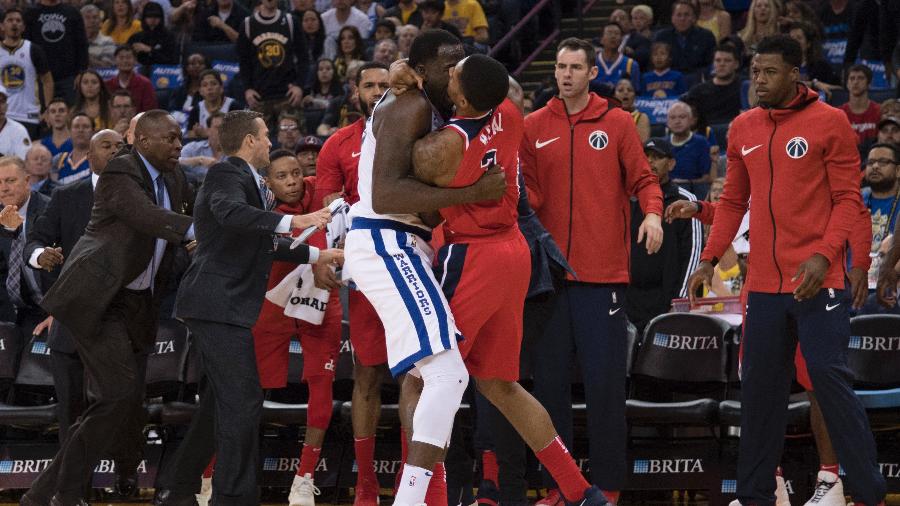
{"x": 801, "y": 183}
{"x": 583, "y": 160}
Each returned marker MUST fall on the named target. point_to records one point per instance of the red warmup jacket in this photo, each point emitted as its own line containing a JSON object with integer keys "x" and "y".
{"x": 338, "y": 162}
{"x": 800, "y": 165}
{"x": 580, "y": 172}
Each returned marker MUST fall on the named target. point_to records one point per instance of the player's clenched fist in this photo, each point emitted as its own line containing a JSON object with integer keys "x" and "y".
{"x": 9, "y": 217}
{"x": 317, "y": 219}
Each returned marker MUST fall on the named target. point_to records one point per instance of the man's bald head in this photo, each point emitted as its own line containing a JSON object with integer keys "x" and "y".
{"x": 129, "y": 134}
{"x": 104, "y": 145}
{"x": 516, "y": 94}
{"x": 38, "y": 160}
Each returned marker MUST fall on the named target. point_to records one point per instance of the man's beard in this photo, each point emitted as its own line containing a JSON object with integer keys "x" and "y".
{"x": 885, "y": 185}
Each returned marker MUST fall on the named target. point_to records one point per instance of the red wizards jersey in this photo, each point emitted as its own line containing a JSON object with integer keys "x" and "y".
{"x": 492, "y": 139}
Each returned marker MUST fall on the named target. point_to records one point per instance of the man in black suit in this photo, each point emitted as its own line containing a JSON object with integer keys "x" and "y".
{"x": 107, "y": 295}
{"x": 23, "y": 287}
{"x": 219, "y": 299}
{"x": 50, "y": 241}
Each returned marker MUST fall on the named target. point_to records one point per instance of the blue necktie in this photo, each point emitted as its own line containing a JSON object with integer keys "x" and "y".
{"x": 160, "y": 191}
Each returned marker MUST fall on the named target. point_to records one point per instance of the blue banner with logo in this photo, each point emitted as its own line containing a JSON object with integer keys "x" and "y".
{"x": 656, "y": 108}
{"x": 880, "y": 79}
{"x": 227, "y": 69}
{"x": 166, "y": 77}
{"x": 834, "y": 51}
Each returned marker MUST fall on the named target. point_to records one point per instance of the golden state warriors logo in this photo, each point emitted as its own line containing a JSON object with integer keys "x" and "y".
{"x": 162, "y": 82}
{"x": 271, "y": 54}
{"x": 13, "y": 77}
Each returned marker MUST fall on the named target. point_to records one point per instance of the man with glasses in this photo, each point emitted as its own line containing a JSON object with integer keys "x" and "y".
{"x": 308, "y": 154}
{"x": 881, "y": 197}
{"x": 289, "y": 131}
{"x": 121, "y": 109}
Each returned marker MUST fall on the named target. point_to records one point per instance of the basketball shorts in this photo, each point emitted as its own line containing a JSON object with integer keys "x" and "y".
{"x": 390, "y": 262}
{"x": 486, "y": 284}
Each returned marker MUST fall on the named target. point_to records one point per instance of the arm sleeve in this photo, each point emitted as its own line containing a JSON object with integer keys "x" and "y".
{"x": 528, "y": 162}
{"x": 120, "y": 194}
{"x": 299, "y": 255}
{"x": 640, "y": 181}
{"x": 229, "y": 205}
{"x": 732, "y": 204}
{"x": 707, "y": 212}
{"x": 842, "y": 170}
{"x": 329, "y": 177}
{"x": 861, "y": 239}
{"x": 46, "y": 230}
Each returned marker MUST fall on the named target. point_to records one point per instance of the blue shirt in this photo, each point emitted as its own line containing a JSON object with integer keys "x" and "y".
{"x": 65, "y": 148}
{"x": 612, "y": 72}
{"x": 69, "y": 172}
{"x": 669, "y": 84}
{"x": 691, "y": 158}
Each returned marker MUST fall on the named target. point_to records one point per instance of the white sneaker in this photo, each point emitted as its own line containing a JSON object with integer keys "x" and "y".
{"x": 829, "y": 491}
{"x": 303, "y": 491}
{"x": 735, "y": 503}
{"x": 781, "y": 494}
{"x": 205, "y": 492}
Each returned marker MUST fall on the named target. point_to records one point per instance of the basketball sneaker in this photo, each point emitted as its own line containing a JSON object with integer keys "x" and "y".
{"x": 829, "y": 490}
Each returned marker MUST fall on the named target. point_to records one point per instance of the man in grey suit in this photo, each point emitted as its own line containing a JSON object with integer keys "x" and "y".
{"x": 107, "y": 295}
{"x": 219, "y": 298}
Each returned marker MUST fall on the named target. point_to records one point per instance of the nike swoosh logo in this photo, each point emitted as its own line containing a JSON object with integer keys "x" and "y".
{"x": 745, "y": 151}
{"x": 829, "y": 307}
{"x": 613, "y": 311}
{"x": 539, "y": 144}
{"x": 356, "y": 155}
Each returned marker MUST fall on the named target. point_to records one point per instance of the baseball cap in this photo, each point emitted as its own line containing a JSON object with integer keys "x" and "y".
{"x": 888, "y": 119}
{"x": 309, "y": 142}
{"x": 659, "y": 145}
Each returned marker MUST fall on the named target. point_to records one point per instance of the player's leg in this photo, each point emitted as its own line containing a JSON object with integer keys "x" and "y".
{"x": 824, "y": 330}
{"x": 411, "y": 386}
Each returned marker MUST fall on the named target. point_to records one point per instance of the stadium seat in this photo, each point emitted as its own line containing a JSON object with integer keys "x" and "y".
{"x": 797, "y": 420}
{"x": 873, "y": 355}
{"x": 34, "y": 367}
{"x": 166, "y": 363}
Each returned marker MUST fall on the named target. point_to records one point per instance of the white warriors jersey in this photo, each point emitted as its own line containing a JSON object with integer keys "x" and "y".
{"x": 19, "y": 77}
{"x": 363, "y": 208}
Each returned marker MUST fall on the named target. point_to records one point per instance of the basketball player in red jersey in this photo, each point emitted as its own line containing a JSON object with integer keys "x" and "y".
{"x": 485, "y": 251}
{"x": 335, "y": 177}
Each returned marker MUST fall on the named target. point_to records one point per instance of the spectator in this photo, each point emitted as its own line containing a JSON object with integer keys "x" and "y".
{"x": 308, "y": 154}
{"x": 657, "y": 279}
{"x": 836, "y": 17}
{"x": 101, "y": 48}
{"x": 344, "y": 110}
{"x": 121, "y": 111}
{"x": 406, "y": 12}
{"x": 384, "y": 29}
{"x": 713, "y": 16}
{"x": 38, "y": 161}
{"x": 59, "y": 30}
{"x": 432, "y": 17}
{"x": 625, "y": 95}
{"x": 56, "y": 116}
{"x": 801, "y": 11}
{"x": 69, "y": 167}
{"x": 863, "y": 40}
{"x": 290, "y": 130}
{"x": 213, "y": 100}
{"x": 642, "y": 20}
{"x": 468, "y": 17}
{"x": 889, "y": 130}
{"x": 326, "y": 88}
{"x": 24, "y": 67}
{"x": 154, "y": 44}
{"x": 692, "y": 46}
{"x": 201, "y": 154}
{"x": 634, "y": 45}
{"x": 188, "y": 94}
{"x": 890, "y": 107}
{"x": 344, "y": 14}
{"x": 719, "y": 101}
{"x": 662, "y": 81}
{"x": 862, "y": 112}
{"x": 881, "y": 197}
{"x": 120, "y": 23}
{"x": 272, "y": 60}
{"x": 141, "y": 89}
{"x": 613, "y": 65}
{"x": 373, "y": 10}
{"x": 693, "y": 170}
{"x": 350, "y": 51}
{"x": 317, "y": 44}
{"x": 405, "y": 36}
{"x": 385, "y": 52}
{"x": 815, "y": 71}
{"x": 92, "y": 98}
{"x": 762, "y": 21}
{"x": 219, "y": 23}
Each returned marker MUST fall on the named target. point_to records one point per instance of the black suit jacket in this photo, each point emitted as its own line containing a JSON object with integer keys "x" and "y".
{"x": 61, "y": 225}
{"x": 118, "y": 243}
{"x": 236, "y": 244}
{"x": 48, "y": 187}
{"x": 37, "y": 204}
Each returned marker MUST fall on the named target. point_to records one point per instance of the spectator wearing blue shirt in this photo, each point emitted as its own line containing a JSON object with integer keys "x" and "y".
{"x": 612, "y": 65}
{"x": 882, "y": 196}
{"x": 693, "y": 170}
{"x": 692, "y": 46}
{"x": 662, "y": 81}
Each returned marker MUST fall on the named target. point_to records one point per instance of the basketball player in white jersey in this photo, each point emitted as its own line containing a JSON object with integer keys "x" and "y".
{"x": 22, "y": 64}
{"x": 388, "y": 257}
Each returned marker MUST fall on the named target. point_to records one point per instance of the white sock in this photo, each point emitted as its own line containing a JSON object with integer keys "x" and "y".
{"x": 413, "y": 486}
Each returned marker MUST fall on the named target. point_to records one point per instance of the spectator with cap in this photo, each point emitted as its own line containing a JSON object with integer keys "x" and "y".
{"x": 692, "y": 46}
{"x": 308, "y": 154}
{"x": 657, "y": 279}
{"x": 889, "y": 130}
{"x": 290, "y": 130}
{"x": 14, "y": 138}
{"x": 141, "y": 89}
{"x": 154, "y": 44}
{"x": 433, "y": 17}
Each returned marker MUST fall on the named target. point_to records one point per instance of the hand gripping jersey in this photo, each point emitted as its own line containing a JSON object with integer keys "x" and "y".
{"x": 484, "y": 147}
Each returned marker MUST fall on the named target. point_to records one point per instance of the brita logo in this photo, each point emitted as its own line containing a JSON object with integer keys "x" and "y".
{"x": 164, "y": 347}
{"x": 32, "y": 466}
{"x": 40, "y": 348}
{"x": 890, "y": 469}
{"x": 729, "y": 486}
{"x": 667, "y": 466}
{"x": 284, "y": 464}
{"x": 295, "y": 348}
{"x": 691, "y": 343}
{"x": 874, "y": 343}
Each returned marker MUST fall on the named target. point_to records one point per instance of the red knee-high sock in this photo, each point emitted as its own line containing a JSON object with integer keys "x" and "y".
{"x": 365, "y": 457}
{"x": 309, "y": 459}
{"x": 490, "y": 471}
{"x": 437, "y": 487}
{"x": 319, "y": 407}
{"x": 556, "y": 458}
{"x": 208, "y": 472}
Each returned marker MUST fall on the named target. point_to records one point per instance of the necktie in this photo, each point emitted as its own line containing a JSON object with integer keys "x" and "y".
{"x": 16, "y": 264}
{"x": 268, "y": 196}
{"x": 160, "y": 191}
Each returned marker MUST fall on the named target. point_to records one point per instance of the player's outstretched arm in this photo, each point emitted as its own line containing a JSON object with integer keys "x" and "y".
{"x": 436, "y": 157}
{"x": 399, "y": 123}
